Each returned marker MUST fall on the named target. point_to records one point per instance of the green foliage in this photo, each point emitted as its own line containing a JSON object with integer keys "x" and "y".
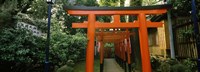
{"x": 183, "y": 7}
{"x": 19, "y": 45}
{"x": 39, "y": 9}
{"x": 136, "y": 3}
{"x": 119, "y": 2}
{"x": 20, "y": 50}
{"x": 5, "y": 18}
{"x": 9, "y": 5}
{"x": 87, "y": 2}
{"x": 179, "y": 68}
{"x": 9, "y": 9}
{"x": 113, "y": 3}
{"x": 104, "y": 18}
{"x": 160, "y": 64}
{"x": 109, "y": 2}
{"x": 67, "y": 47}
{"x": 191, "y": 65}
{"x": 164, "y": 67}
{"x": 155, "y": 63}
{"x": 150, "y": 2}
{"x": 6, "y": 13}
{"x": 109, "y": 45}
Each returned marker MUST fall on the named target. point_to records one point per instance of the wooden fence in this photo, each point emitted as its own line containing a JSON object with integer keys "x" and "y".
{"x": 184, "y": 38}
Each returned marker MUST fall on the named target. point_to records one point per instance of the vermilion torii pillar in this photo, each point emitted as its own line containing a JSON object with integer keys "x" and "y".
{"x": 142, "y": 24}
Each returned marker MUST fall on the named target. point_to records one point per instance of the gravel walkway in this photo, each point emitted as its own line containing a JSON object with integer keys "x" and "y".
{"x": 110, "y": 65}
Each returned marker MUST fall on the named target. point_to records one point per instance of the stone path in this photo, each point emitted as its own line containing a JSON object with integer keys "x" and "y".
{"x": 110, "y": 65}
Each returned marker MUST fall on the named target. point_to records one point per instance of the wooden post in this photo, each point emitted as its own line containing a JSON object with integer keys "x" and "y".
{"x": 123, "y": 50}
{"x": 90, "y": 44}
{"x": 129, "y": 54}
{"x": 144, "y": 49}
{"x": 128, "y": 49}
{"x": 101, "y": 55}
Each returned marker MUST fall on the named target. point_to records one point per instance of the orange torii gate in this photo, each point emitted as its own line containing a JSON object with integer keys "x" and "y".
{"x": 142, "y": 24}
{"x": 121, "y": 38}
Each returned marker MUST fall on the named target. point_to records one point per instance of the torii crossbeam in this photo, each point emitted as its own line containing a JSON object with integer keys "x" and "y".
{"x": 142, "y": 24}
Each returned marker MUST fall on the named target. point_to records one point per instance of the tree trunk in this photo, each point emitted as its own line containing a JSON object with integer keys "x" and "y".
{"x": 127, "y": 4}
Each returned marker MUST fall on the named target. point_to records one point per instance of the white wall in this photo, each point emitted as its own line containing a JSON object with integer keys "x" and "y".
{"x": 32, "y": 28}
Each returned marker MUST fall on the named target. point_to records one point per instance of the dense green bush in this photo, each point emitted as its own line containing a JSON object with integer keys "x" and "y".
{"x": 20, "y": 48}
{"x": 67, "y": 49}
{"x": 159, "y": 64}
{"x": 21, "y": 51}
{"x": 19, "y": 45}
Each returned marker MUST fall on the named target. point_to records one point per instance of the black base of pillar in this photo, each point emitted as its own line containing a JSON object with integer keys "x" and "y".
{"x": 129, "y": 68}
{"x": 124, "y": 63}
{"x": 101, "y": 67}
{"x": 121, "y": 63}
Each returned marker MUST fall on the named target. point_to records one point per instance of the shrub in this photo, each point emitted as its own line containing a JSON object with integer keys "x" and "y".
{"x": 20, "y": 50}
{"x": 67, "y": 48}
{"x": 160, "y": 64}
{"x": 164, "y": 67}
{"x": 179, "y": 68}
{"x": 191, "y": 65}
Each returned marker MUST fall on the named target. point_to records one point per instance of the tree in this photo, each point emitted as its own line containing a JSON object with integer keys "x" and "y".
{"x": 136, "y": 2}
{"x": 111, "y": 3}
{"x": 150, "y": 2}
{"x": 183, "y": 7}
{"x": 86, "y": 2}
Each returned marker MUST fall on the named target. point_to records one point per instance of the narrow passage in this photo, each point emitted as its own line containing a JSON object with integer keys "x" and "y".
{"x": 110, "y": 65}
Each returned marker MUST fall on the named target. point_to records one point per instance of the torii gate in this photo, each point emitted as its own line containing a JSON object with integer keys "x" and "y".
{"x": 120, "y": 38}
{"x": 142, "y": 24}
{"x": 116, "y": 37}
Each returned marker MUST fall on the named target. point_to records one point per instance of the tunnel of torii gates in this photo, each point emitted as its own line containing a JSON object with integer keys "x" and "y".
{"x": 121, "y": 39}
